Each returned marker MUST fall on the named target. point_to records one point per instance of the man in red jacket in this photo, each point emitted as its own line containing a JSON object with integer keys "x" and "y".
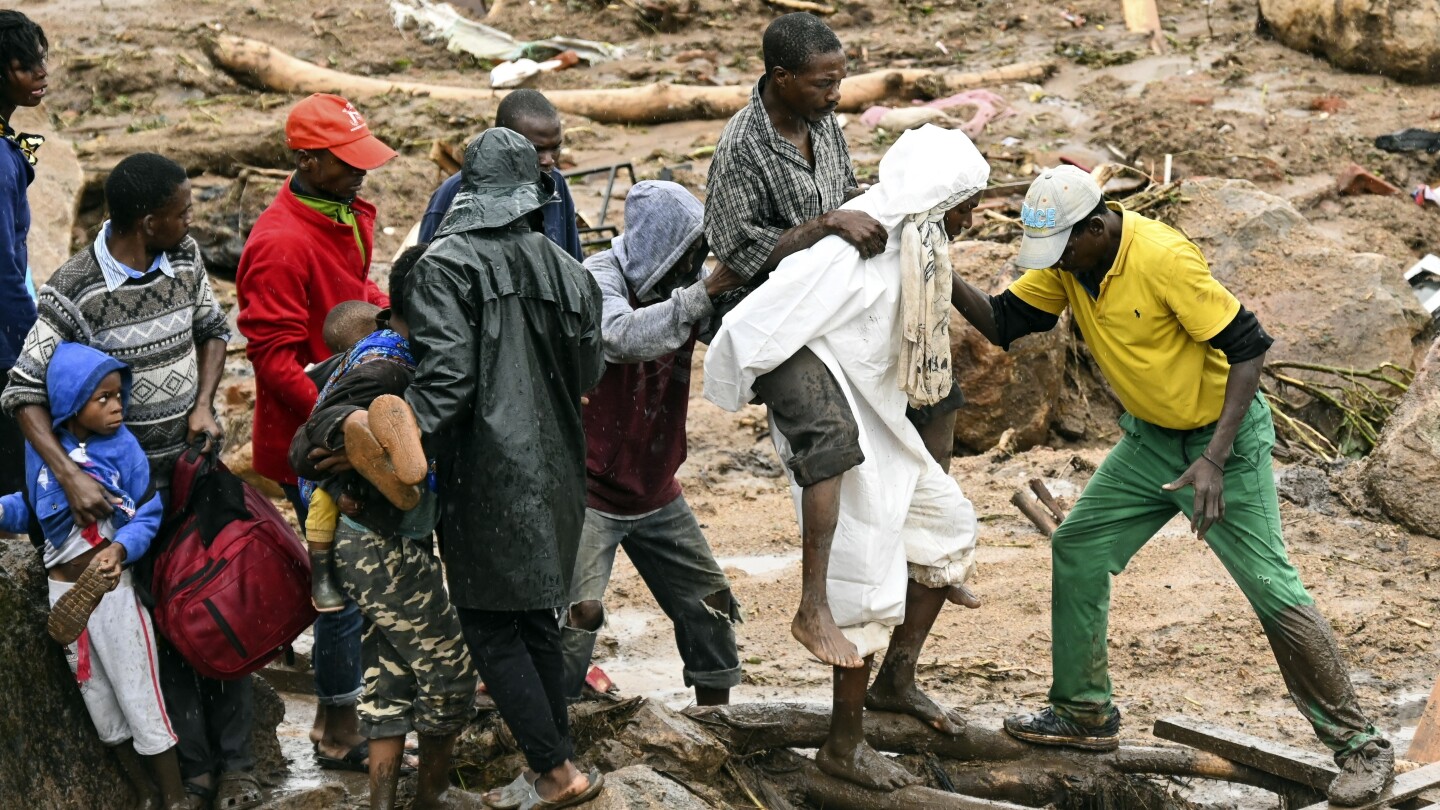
{"x": 310, "y": 250}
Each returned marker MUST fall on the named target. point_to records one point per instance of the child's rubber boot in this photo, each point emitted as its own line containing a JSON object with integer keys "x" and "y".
{"x": 370, "y": 457}
{"x": 325, "y": 594}
{"x": 72, "y": 610}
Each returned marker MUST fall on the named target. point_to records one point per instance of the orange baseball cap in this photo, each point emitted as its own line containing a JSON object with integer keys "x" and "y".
{"x": 325, "y": 121}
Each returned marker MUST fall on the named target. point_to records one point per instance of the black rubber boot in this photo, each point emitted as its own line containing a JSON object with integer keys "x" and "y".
{"x": 324, "y": 592}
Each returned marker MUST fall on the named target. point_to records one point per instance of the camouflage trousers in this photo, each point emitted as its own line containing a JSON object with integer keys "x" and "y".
{"x": 418, "y": 674}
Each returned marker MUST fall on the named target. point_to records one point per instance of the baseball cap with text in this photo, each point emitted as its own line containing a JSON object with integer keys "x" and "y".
{"x": 325, "y": 121}
{"x": 1056, "y": 200}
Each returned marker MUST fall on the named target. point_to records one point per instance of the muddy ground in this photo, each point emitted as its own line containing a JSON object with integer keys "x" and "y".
{"x": 129, "y": 75}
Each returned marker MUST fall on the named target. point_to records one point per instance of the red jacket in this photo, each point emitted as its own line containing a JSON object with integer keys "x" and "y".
{"x": 296, "y": 266}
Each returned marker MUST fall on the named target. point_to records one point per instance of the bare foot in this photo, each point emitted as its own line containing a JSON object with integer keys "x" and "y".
{"x": 963, "y": 596}
{"x": 816, "y": 630}
{"x": 882, "y": 697}
{"x": 864, "y": 766}
{"x": 550, "y": 791}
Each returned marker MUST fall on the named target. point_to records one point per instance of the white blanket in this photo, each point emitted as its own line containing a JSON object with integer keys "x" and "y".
{"x": 898, "y": 506}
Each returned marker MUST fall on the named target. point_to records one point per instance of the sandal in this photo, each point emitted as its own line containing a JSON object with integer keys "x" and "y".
{"x": 512, "y": 795}
{"x": 72, "y": 610}
{"x": 356, "y": 759}
{"x": 597, "y": 784}
{"x": 238, "y": 790}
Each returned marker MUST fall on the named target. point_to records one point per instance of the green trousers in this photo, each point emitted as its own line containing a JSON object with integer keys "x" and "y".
{"x": 1121, "y": 509}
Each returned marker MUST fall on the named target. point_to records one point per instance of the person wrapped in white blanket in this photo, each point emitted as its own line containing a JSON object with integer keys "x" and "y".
{"x": 905, "y": 537}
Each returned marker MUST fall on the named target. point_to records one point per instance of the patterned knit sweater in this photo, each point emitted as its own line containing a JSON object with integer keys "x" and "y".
{"x": 152, "y": 324}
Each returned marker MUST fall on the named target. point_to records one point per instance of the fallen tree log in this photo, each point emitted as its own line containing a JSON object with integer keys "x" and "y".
{"x": 1013, "y": 770}
{"x": 272, "y": 69}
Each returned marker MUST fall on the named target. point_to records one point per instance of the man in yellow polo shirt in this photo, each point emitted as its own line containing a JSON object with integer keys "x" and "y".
{"x": 1184, "y": 357}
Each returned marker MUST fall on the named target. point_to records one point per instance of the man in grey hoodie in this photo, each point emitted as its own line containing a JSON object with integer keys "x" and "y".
{"x": 655, "y": 303}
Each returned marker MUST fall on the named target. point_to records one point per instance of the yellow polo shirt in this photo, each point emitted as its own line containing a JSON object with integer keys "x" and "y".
{"x": 1148, "y": 328}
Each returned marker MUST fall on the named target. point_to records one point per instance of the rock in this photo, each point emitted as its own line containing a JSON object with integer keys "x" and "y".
{"x": 1396, "y": 38}
{"x": 1018, "y": 389}
{"x": 271, "y": 766}
{"x": 1404, "y": 468}
{"x": 673, "y": 742}
{"x": 329, "y": 796}
{"x": 1305, "y": 486}
{"x": 1304, "y": 288}
{"x": 49, "y": 753}
{"x": 639, "y": 787}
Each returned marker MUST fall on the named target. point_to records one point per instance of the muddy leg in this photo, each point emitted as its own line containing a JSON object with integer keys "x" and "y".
{"x": 165, "y": 769}
{"x": 814, "y": 626}
{"x": 894, "y": 689}
{"x": 845, "y": 754}
{"x": 385, "y": 756}
{"x": 145, "y": 789}
{"x": 434, "y": 791}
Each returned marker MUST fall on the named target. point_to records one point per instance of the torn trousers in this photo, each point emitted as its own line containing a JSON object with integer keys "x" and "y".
{"x": 671, "y": 554}
{"x": 1123, "y": 506}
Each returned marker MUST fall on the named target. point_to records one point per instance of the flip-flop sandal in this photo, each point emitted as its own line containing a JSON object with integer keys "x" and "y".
{"x": 394, "y": 426}
{"x": 72, "y": 610}
{"x": 238, "y": 790}
{"x": 369, "y": 458}
{"x": 597, "y": 784}
{"x": 354, "y": 759}
{"x": 512, "y": 795}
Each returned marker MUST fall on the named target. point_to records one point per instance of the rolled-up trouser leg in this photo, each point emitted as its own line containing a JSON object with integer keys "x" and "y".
{"x": 671, "y": 554}
{"x": 811, "y": 412}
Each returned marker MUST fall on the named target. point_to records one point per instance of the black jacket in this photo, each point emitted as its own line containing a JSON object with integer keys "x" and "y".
{"x": 325, "y": 428}
{"x": 505, "y": 327}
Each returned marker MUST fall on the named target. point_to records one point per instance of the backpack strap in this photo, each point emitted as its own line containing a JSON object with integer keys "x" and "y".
{"x": 192, "y": 464}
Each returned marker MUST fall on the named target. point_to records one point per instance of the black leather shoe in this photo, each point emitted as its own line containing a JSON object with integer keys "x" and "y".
{"x": 1048, "y": 728}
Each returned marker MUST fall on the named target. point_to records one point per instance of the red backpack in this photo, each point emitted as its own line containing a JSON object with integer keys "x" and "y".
{"x": 232, "y": 581}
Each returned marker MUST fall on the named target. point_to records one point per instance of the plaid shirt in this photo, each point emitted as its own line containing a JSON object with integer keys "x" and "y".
{"x": 760, "y": 185}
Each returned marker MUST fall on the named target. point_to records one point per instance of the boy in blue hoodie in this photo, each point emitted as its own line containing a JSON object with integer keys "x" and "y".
{"x": 114, "y": 657}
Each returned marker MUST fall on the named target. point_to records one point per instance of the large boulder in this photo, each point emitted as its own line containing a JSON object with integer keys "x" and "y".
{"x": 1404, "y": 468}
{"x": 1018, "y": 389}
{"x": 639, "y": 787}
{"x": 49, "y": 753}
{"x": 1321, "y": 302}
{"x": 1396, "y": 38}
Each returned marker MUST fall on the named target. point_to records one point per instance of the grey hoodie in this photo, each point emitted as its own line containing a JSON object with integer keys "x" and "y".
{"x": 662, "y": 222}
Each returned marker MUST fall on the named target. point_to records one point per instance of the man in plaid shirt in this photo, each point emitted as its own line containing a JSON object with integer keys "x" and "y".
{"x": 780, "y": 174}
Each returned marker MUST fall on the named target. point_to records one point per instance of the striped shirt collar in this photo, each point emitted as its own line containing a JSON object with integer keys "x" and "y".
{"x": 116, "y": 272}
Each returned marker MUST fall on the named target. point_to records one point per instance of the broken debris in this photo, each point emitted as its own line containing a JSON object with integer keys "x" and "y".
{"x": 1354, "y": 179}
{"x": 440, "y": 21}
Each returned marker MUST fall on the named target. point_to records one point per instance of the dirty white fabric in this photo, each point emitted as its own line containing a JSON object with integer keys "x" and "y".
{"x": 122, "y": 691}
{"x": 925, "y": 373}
{"x": 901, "y": 516}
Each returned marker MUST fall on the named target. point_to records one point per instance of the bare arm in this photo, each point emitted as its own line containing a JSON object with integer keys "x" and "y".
{"x": 89, "y": 501}
{"x": 211, "y": 360}
{"x": 974, "y": 305}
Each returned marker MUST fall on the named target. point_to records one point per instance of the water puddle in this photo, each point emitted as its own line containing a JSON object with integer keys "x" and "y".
{"x": 759, "y": 564}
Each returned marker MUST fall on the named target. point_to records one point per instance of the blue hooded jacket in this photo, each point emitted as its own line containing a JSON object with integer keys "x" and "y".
{"x": 116, "y": 461}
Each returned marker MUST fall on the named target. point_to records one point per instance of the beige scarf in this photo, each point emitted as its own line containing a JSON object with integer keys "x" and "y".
{"x": 925, "y": 303}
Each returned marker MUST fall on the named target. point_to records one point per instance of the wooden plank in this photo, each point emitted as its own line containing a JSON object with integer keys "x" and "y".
{"x": 1425, "y": 747}
{"x": 1283, "y": 761}
{"x": 1406, "y": 786}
